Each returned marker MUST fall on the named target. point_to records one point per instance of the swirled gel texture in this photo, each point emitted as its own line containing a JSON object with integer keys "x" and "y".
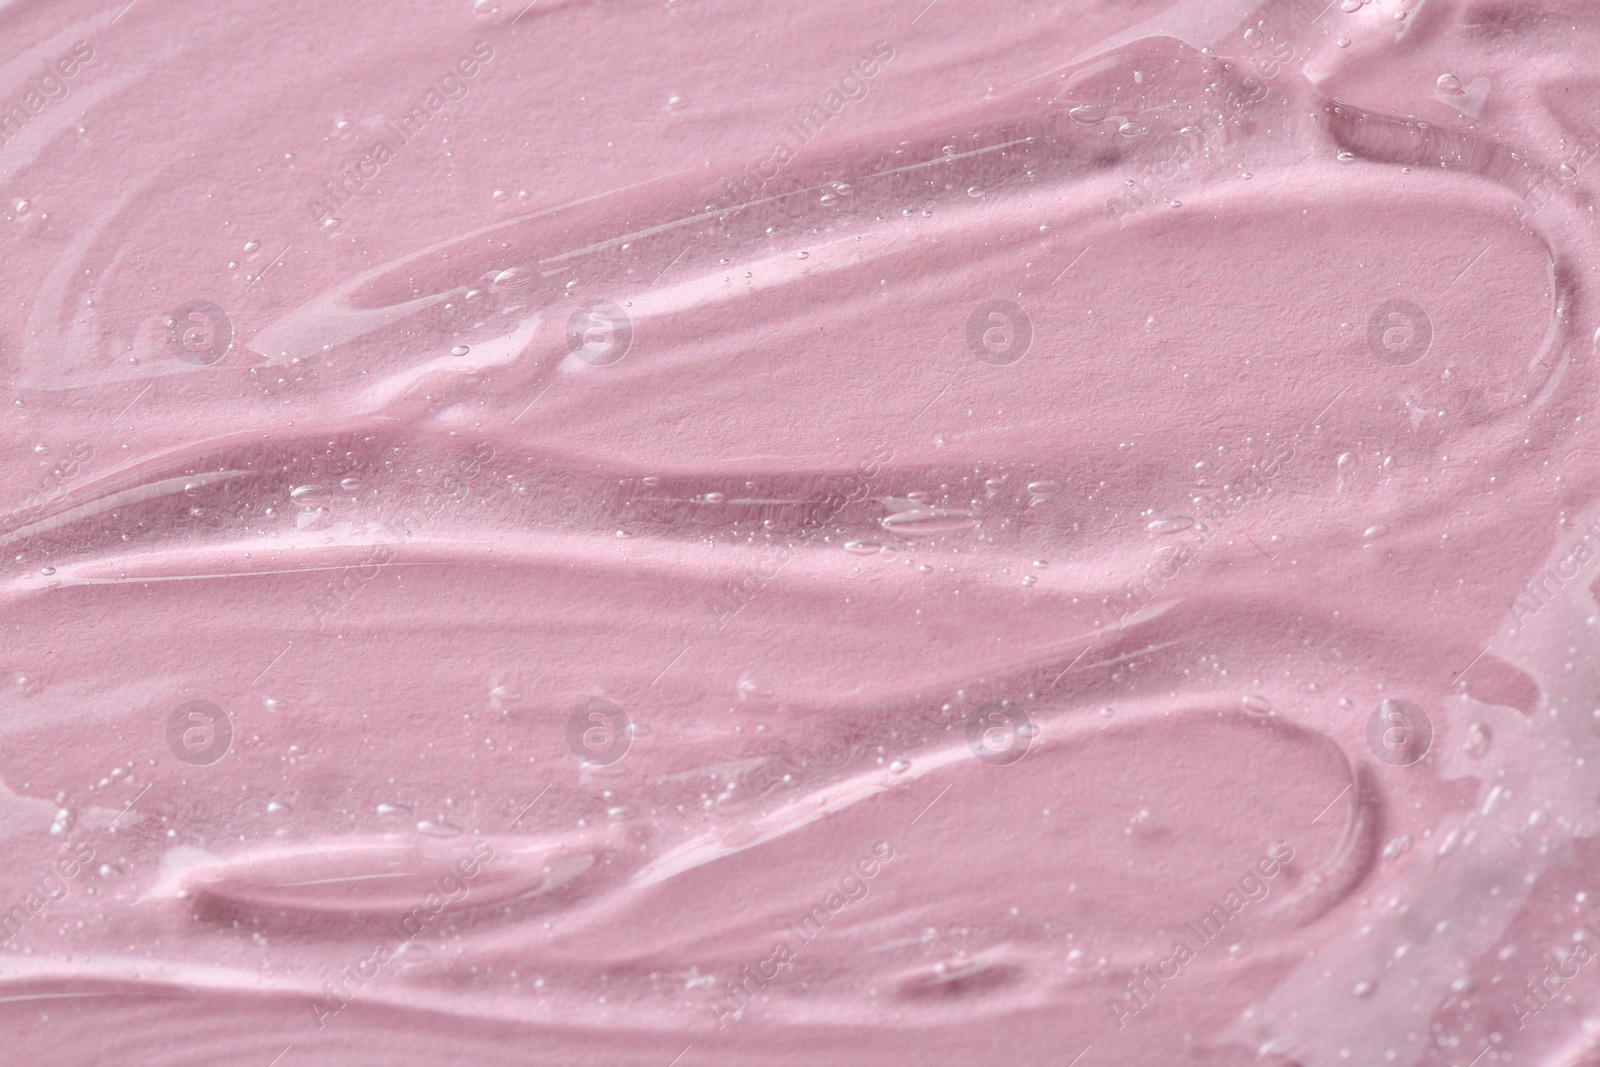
{"x": 708, "y": 534}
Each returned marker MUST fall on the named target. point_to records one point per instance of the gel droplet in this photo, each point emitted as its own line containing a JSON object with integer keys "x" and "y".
{"x": 1171, "y": 524}
{"x": 1087, "y": 114}
{"x": 412, "y": 954}
{"x": 513, "y": 278}
{"x": 925, "y": 522}
{"x": 309, "y": 495}
{"x": 835, "y": 192}
{"x": 313, "y": 519}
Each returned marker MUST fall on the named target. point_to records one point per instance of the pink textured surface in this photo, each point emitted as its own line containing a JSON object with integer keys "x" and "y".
{"x": 720, "y": 534}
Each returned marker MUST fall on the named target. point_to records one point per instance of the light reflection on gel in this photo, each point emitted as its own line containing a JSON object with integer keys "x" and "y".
{"x": 883, "y": 533}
